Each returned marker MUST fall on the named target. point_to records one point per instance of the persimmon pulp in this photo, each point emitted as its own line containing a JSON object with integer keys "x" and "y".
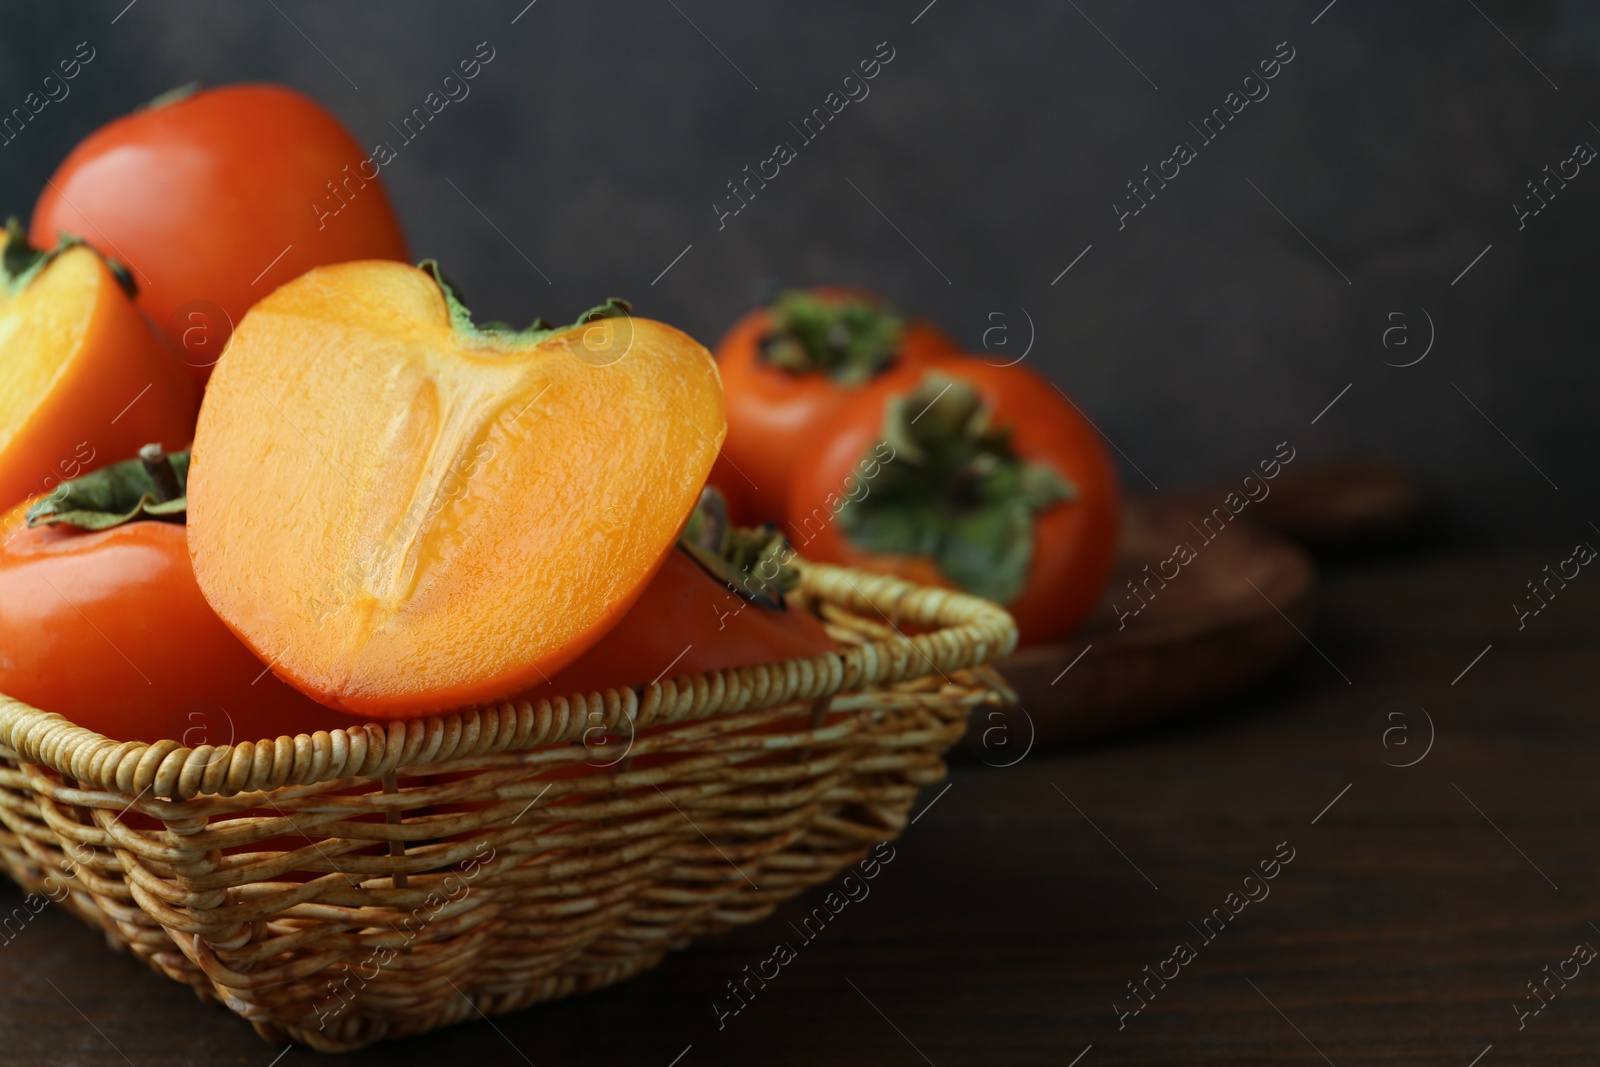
{"x": 84, "y": 380}
{"x": 404, "y": 513}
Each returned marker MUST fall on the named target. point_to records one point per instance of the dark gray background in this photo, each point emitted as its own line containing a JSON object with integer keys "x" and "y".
{"x": 996, "y": 141}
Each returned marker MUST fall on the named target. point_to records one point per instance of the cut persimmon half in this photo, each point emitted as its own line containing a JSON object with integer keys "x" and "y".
{"x": 84, "y": 378}
{"x": 403, "y": 512}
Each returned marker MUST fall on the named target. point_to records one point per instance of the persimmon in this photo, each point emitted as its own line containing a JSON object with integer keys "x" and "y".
{"x": 84, "y": 379}
{"x": 985, "y": 479}
{"x": 101, "y": 621}
{"x": 789, "y": 366}
{"x": 215, "y": 197}
{"x": 404, "y": 512}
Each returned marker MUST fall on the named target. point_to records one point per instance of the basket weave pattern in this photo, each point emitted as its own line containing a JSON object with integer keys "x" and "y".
{"x": 340, "y": 888}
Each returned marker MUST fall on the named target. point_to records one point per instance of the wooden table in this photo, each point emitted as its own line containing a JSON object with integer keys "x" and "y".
{"x": 1419, "y": 901}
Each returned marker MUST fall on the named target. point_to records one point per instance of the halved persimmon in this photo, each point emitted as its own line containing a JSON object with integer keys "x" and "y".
{"x": 403, "y": 512}
{"x": 84, "y": 379}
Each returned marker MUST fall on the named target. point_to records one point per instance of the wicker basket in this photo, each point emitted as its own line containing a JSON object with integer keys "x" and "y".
{"x": 378, "y": 881}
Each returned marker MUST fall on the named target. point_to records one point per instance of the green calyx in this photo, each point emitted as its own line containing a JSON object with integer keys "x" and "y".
{"x": 500, "y": 333}
{"x": 850, "y": 341}
{"x": 149, "y": 487}
{"x": 956, "y": 492}
{"x": 753, "y": 562}
{"x": 21, "y": 263}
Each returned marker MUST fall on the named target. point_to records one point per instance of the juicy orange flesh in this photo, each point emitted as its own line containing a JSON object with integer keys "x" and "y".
{"x": 41, "y": 330}
{"x": 403, "y": 519}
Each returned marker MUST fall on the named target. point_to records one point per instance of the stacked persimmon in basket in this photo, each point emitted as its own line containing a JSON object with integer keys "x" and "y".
{"x": 390, "y": 510}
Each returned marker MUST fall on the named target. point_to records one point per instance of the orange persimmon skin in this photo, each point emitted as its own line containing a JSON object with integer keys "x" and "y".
{"x": 776, "y": 416}
{"x": 86, "y": 379}
{"x": 494, "y": 507}
{"x": 1075, "y": 541}
{"x": 109, "y": 629}
{"x": 201, "y": 197}
{"x": 687, "y": 622}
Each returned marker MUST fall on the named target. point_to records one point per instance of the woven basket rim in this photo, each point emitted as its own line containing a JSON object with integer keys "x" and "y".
{"x": 967, "y": 632}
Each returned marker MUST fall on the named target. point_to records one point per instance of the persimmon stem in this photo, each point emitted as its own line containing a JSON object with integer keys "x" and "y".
{"x": 162, "y": 475}
{"x": 172, "y": 96}
{"x": 958, "y": 492}
{"x": 500, "y": 332}
{"x": 850, "y": 341}
{"x": 738, "y": 557}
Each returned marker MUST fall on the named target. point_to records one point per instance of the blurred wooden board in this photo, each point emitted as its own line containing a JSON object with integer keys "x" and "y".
{"x": 1340, "y": 506}
{"x": 1227, "y": 619}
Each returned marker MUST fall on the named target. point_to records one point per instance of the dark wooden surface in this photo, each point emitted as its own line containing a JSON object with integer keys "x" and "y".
{"x": 1007, "y": 925}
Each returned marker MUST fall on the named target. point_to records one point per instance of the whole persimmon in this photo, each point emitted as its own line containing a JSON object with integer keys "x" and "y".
{"x": 979, "y": 477}
{"x": 101, "y": 620}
